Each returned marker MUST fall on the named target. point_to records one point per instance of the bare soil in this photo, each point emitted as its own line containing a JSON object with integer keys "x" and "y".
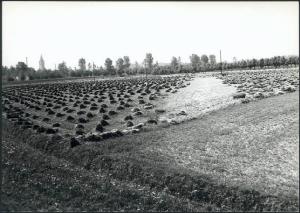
{"x": 204, "y": 94}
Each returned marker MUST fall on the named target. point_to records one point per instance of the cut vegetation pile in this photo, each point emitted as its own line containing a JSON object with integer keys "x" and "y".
{"x": 102, "y": 108}
{"x": 262, "y": 84}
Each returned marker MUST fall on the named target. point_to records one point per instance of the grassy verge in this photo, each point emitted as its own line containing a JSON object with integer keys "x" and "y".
{"x": 33, "y": 181}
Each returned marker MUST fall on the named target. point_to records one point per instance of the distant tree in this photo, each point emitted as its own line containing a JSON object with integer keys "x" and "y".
{"x": 234, "y": 63}
{"x": 195, "y": 62}
{"x": 253, "y": 63}
{"x": 5, "y": 70}
{"x": 127, "y": 65}
{"x": 156, "y": 70}
{"x": 179, "y": 64}
{"x": 126, "y": 62}
{"x": 96, "y": 72}
{"x": 7, "y": 74}
{"x": 135, "y": 69}
{"x": 62, "y": 66}
{"x": 261, "y": 63}
{"x": 293, "y": 60}
{"x": 266, "y": 62}
{"x": 136, "y": 64}
{"x": 99, "y": 71}
{"x": 109, "y": 67}
{"x": 120, "y": 66}
{"x": 204, "y": 60}
{"x": 244, "y": 64}
{"x": 89, "y": 66}
{"x": 13, "y": 72}
{"x": 289, "y": 60}
{"x": 174, "y": 64}
{"x": 212, "y": 59}
{"x": 82, "y": 64}
{"x": 21, "y": 66}
{"x": 296, "y": 60}
{"x": 276, "y": 61}
{"x": 22, "y": 70}
{"x": 283, "y": 61}
{"x": 148, "y": 61}
{"x": 225, "y": 65}
{"x": 132, "y": 69}
{"x": 63, "y": 69}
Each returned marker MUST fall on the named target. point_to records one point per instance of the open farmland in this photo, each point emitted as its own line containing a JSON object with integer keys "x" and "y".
{"x": 237, "y": 152}
{"x": 96, "y": 110}
{"x": 263, "y": 83}
{"x": 109, "y": 108}
{"x": 150, "y": 106}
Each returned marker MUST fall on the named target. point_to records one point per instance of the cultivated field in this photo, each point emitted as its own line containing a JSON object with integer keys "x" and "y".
{"x": 234, "y": 152}
{"x": 93, "y": 109}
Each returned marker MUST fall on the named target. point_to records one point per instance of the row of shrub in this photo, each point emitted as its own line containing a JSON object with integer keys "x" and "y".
{"x": 22, "y": 72}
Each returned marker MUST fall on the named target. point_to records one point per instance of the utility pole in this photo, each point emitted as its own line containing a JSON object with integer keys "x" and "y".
{"x": 221, "y": 61}
{"x": 93, "y": 72}
{"x": 179, "y": 63}
{"x": 145, "y": 64}
{"x": 26, "y": 62}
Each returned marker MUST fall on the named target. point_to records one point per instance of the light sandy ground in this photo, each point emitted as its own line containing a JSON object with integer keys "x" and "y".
{"x": 204, "y": 94}
{"x": 252, "y": 145}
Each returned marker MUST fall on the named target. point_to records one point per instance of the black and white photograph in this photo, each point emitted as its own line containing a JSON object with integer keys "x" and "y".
{"x": 147, "y": 106}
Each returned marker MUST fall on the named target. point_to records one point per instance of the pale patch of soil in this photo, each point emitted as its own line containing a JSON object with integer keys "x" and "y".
{"x": 203, "y": 95}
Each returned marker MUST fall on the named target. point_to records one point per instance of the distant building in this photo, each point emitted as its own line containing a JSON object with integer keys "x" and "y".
{"x": 42, "y": 64}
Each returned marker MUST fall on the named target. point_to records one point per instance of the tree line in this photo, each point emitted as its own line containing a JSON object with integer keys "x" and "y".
{"x": 124, "y": 67}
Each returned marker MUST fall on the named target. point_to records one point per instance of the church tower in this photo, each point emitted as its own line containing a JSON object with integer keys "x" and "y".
{"x": 41, "y": 63}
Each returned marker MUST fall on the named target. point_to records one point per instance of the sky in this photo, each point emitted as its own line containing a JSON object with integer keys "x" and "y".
{"x": 67, "y": 31}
